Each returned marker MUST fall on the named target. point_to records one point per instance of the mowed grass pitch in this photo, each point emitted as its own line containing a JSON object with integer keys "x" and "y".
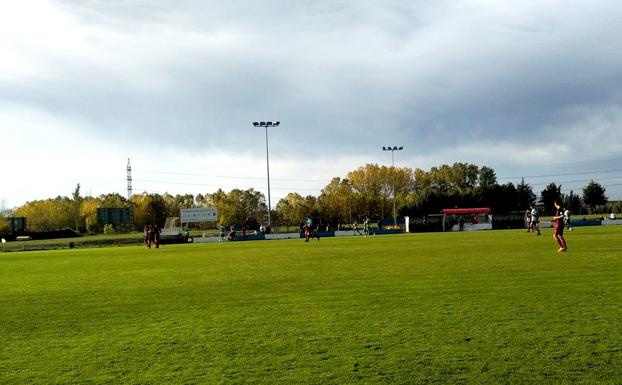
{"x": 487, "y": 307}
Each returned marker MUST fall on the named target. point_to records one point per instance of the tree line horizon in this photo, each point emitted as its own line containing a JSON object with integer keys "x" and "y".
{"x": 367, "y": 191}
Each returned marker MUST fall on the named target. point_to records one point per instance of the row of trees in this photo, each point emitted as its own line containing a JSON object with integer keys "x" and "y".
{"x": 80, "y": 213}
{"x": 365, "y": 192}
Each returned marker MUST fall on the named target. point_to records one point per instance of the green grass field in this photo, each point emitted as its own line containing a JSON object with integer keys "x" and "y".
{"x": 495, "y": 307}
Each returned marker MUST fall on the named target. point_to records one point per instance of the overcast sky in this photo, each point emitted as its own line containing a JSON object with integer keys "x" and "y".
{"x": 530, "y": 88}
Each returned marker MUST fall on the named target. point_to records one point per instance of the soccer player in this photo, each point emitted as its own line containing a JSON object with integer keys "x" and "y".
{"x": 147, "y": 236}
{"x": 528, "y": 220}
{"x": 356, "y": 228}
{"x": 567, "y": 219}
{"x": 221, "y": 233}
{"x": 535, "y": 222}
{"x": 366, "y": 227}
{"x": 558, "y": 231}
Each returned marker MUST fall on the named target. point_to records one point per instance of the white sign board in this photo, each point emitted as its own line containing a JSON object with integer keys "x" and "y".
{"x": 198, "y": 215}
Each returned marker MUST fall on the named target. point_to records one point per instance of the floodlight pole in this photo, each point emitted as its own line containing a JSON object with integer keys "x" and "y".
{"x": 393, "y": 149}
{"x": 266, "y": 125}
{"x": 268, "y": 172}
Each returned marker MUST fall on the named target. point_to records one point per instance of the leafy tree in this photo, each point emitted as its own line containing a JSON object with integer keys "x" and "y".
{"x": 171, "y": 204}
{"x": 487, "y": 178}
{"x": 156, "y": 209}
{"x": 464, "y": 177}
{"x": 404, "y": 186}
{"x": 141, "y": 210}
{"x": 249, "y": 207}
{"x": 88, "y": 213}
{"x": 525, "y": 195}
{"x": 440, "y": 179}
{"x": 460, "y": 178}
{"x": 422, "y": 181}
{"x": 4, "y": 224}
{"x": 310, "y": 206}
{"x": 218, "y": 200}
{"x": 550, "y": 194}
{"x": 185, "y": 201}
{"x": 4, "y": 213}
{"x": 289, "y": 209}
{"x": 572, "y": 202}
{"x": 336, "y": 201}
{"x": 49, "y": 214}
{"x": 367, "y": 184}
{"x": 239, "y": 207}
{"x": 199, "y": 199}
{"x": 502, "y": 198}
{"x": 114, "y": 200}
{"x": 149, "y": 209}
{"x": 594, "y": 195}
{"x": 369, "y": 191}
{"x": 332, "y": 201}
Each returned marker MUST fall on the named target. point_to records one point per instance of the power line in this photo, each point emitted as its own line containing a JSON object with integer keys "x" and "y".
{"x": 562, "y": 163}
{"x": 561, "y": 174}
{"x": 318, "y": 180}
{"x": 575, "y": 181}
{"x": 215, "y": 186}
{"x": 227, "y": 176}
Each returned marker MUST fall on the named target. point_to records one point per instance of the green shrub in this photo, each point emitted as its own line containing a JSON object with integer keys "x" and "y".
{"x": 108, "y": 229}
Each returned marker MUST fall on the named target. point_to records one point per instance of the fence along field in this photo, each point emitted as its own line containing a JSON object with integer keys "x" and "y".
{"x": 478, "y": 307}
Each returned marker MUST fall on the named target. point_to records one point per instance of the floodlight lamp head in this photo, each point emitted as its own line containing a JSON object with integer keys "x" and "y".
{"x": 268, "y": 124}
{"x": 255, "y": 124}
{"x": 401, "y": 148}
{"x": 276, "y": 124}
{"x": 262, "y": 124}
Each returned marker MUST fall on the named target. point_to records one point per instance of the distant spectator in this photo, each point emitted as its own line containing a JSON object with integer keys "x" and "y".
{"x": 612, "y": 216}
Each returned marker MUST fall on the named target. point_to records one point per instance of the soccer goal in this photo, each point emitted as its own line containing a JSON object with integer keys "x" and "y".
{"x": 172, "y": 227}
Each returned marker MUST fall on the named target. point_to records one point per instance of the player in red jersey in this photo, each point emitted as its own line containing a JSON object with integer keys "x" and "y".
{"x": 558, "y": 231}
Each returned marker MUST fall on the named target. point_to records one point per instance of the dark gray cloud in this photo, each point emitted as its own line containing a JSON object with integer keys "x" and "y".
{"x": 343, "y": 77}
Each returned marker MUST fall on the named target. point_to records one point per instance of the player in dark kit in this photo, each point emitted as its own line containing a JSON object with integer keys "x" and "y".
{"x": 558, "y": 231}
